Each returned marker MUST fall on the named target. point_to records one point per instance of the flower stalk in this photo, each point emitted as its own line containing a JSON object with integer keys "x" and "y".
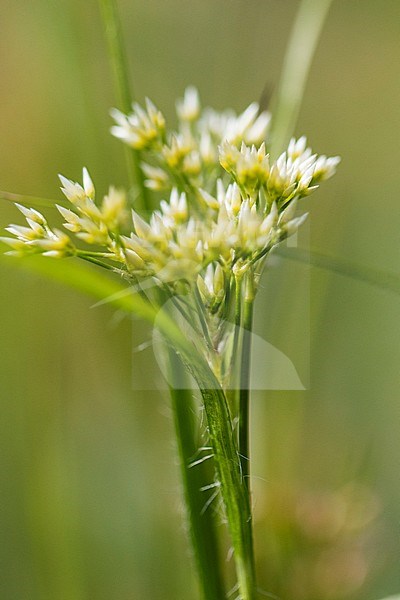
{"x": 233, "y": 489}
{"x": 201, "y": 522}
{"x": 245, "y": 384}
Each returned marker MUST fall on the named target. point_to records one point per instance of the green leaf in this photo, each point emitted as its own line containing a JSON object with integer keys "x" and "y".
{"x": 100, "y": 285}
{"x": 86, "y": 279}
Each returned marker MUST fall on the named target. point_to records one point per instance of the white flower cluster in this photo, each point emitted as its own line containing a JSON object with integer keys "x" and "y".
{"x": 228, "y": 204}
{"x": 91, "y": 223}
{"x": 96, "y": 225}
{"x": 296, "y": 173}
{"x": 233, "y": 232}
{"x": 38, "y": 237}
{"x": 189, "y": 155}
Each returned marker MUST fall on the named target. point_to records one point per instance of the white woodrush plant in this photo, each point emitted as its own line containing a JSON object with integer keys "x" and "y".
{"x": 223, "y": 204}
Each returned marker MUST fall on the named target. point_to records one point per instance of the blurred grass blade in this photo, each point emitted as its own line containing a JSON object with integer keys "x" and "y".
{"x": 122, "y": 89}
{"x": 86, "y": 279}
{"x": 30, "y": 201}
{"x": 118, "y": 59}
{"x": 303, "y": 41}
{"x": 383, "y": 280}
{"x": 100, "y": 286}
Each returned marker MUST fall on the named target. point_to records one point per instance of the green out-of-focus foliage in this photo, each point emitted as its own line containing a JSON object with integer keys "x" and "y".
{"x": 91, "y": 500}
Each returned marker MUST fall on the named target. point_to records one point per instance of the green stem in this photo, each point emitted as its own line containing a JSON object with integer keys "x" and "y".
{"x": 202, "y": 527}
{"x": 201, "y": 522}
{"x": 95, "y": 253}
{"x": 233, "y": 391}
{"x": 238, "y": 323}
{"x": 201, "y": 317}
{"x": 233, "y": 489}
{"x": 226, "y": 456}
{"x": 244, "y": 398}
{"x": 118, "y": 61}
{"x": 94, "y": 261}
{"x": 232, "y": 469}
{"x": 297, "y": 63}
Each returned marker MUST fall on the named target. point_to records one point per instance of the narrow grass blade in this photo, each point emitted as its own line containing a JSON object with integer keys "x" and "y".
{"x": 83, "y": 278}
{"x": 384, "y": 280}
{"x": 122, "y": 87}
{"x": 303, "y": 41}
{"x": 30, "y": 201}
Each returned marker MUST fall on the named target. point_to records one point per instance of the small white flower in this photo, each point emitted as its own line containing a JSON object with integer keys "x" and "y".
{"x": 188, "y": 109}
{"x": 237, "y": 127}
{"x": 81, "y": 197}
{"x": 228, "y": 156}
{"x": 325, "y": 168}
{"x": 38, "y": 237}
{"x": 191, "y": 166}
{"x": 211, "y": 286}
{"x": 32, "y": 214}
{"x": 90, "y": 223}
{"x": 93, "y": 233}
{"x": 74, "y": 192}
{"x": 179, "y": 148}
{"x": 157, "y": 179}
{"x": 257, "y": 132}
{"x": 88, "y": 184}
{"x": 298, "y": 148}
{"x": 233, "y": 200}
{"x": 250, "y": 126}
{"x": 142, "y": 128}
{"x": 142, "y": 229}
{"x": 56, "y": 245}
{"x": 176, "y": 210}
{"x": 207, "y": 149}
{"x": 134, "y": 262}
{"x": 114, "y": 209}
{"x": 73, "y": 222}
{"x": 252, "y": 169}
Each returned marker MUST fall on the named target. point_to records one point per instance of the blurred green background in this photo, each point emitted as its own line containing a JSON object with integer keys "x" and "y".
{"x": 91, "y": 505}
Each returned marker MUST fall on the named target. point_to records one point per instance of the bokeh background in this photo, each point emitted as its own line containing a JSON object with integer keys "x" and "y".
{"x": 91, "y": 505}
